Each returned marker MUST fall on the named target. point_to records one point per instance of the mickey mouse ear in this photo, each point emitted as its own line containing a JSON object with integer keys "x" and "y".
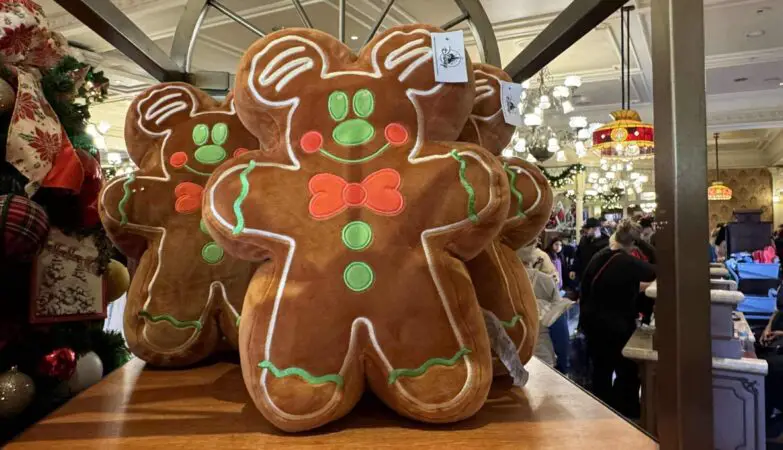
{"x": 487, "y": 126}
{"x": 158, "y": 108}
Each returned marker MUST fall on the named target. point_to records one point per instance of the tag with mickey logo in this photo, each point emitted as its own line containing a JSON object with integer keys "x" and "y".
{"x": 449, "y": 58}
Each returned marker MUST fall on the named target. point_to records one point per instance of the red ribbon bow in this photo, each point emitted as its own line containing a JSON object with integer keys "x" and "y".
{"x": 379, "y": 193}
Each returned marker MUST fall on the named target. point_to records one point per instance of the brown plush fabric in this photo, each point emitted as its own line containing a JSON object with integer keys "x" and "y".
{"x": 486, "y": 125}
{"x": 364, "y": 230}
{"x": 501, "y": 282}
{"x": 185, "y": 293}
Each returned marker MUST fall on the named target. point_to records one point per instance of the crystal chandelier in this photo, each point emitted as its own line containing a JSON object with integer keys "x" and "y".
{"x": 617, "y": 177}
{"x": 718, "y": 191}
{"x": 539, "y": 138}
{"x": 626, "y": 138}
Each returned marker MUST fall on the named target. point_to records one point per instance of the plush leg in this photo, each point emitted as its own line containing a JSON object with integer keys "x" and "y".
{"x": 441, "y": 366}
{"x": 293, "y": 355}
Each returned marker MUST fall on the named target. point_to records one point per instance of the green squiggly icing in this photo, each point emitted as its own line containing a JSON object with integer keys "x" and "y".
{"x": 241, "y": 198}
{"x": 397, "y": 373}
{"x": 510, "y": 324}
{"x": 463, "y": 165}
{"x": 512, "y": 179}
{"x": 174, "y": 322}
{"x": 301, "y": 373}
{"x": 197, "y": 172}
{"x": 125, "y": 197}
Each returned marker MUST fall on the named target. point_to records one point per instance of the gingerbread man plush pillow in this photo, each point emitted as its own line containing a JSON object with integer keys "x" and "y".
{"x": 186, "y": 291}
{"x": 501, "y": 282}
{"x": 365, "y": 230}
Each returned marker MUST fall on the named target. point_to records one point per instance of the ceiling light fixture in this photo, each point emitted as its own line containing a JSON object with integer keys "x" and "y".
{"x": 354, "y": 37}
{"x": 625, "y": 138}
{"x": 755, "y": 34}
{"x": 718, "y": 191}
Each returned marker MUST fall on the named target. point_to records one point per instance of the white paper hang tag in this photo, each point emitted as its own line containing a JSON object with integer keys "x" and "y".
{"x": 448, "y": 57}
{"x": 510, "y": 96}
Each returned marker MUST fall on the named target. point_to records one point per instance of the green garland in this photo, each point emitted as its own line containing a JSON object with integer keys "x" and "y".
{"x": 608, "y": 200}
{"x": 70, "y": 102}
{"x": 564, "y": 178}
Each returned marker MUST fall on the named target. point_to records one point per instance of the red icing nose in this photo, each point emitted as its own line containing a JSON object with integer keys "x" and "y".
{"x": 311, "y": 141}
{"x": 178, "y": 159}
{"x": 396, "y": 134}
{"x": 240, "y": 151}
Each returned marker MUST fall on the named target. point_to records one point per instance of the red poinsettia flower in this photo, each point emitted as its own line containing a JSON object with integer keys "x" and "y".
{"x": 45, "y": 55}
{"x": 17, "y": 40}
{"x": 26, "y": 106}
{"x": 46, "y": 144}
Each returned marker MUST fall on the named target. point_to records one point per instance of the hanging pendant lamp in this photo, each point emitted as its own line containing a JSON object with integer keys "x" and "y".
{"x": 718, "y": 191}
{"x": 626, "y": 137}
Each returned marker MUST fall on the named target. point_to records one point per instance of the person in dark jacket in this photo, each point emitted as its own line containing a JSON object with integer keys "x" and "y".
{"x": 591, "y": 243}
{"x": 610, "y": 287}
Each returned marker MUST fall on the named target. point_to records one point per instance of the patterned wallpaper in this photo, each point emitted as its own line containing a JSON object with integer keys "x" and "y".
{"x": 752, "y": 189}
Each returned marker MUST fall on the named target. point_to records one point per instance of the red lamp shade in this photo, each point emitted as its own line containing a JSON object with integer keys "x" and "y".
{"x": 626, "y": 137}
{"x": 718, "y": 191}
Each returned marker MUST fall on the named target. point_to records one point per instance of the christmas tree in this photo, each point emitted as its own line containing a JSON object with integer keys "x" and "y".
{"x": 56, "y": 268}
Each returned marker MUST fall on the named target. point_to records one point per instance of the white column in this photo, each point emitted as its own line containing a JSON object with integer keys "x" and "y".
{"x": 580, "y": 200}
{"x": 777, "y": 187}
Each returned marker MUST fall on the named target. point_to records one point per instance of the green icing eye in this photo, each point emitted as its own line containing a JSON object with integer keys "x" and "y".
{"x": 363, "y": 103}
{"x": 338, "y": 105}
{"x": 219, "y": 133}
{"x": 200, "y": 134}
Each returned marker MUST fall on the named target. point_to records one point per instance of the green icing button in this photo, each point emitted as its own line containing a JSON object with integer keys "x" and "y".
{"x": 358, "y": 276}
{"x": 212, "y": 253}
{"x": 203, "y": 227}
{"x": 357, "y": 235}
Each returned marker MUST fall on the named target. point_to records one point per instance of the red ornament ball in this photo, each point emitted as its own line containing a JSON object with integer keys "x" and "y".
{"x": 24, "y": 227}
{"x": 59, "y": 364}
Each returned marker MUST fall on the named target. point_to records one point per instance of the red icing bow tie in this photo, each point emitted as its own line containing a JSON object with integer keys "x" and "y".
{"x": 379, "y": 193}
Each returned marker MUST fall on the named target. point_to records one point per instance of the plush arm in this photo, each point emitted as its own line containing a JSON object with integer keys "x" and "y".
{"x": 134, "y": 200}
{"x": 247, "y": 204}
{"x": 531, "y": 202}
{"x": 477, "y": 198}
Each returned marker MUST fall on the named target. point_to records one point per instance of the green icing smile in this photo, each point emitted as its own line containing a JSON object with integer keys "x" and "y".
{"x": 355, "y": 161}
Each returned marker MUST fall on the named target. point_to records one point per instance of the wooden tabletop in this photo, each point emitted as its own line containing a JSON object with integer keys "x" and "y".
{"x": 208, "y": 407}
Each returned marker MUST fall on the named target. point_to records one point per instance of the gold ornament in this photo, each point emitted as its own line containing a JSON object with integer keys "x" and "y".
{"x": 7, "y": 97}
{"x": 117, "y": 280}
{"x": 16, "y": 392}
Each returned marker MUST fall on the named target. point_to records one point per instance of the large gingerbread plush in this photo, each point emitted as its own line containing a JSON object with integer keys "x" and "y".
{"x": 365, "y": 230}
{"x": 501, "y": 282}
{"x": 186, "y": 292}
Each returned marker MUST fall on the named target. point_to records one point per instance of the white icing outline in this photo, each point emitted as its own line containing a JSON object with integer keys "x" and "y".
{"x": 166, "y": 177}
{"x": 487, "y": 91}
{"x": 413, "y": 158}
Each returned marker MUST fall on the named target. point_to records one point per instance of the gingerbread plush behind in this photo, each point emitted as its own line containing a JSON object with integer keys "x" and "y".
{"x": 364, "y": 231}
{"x": 501, "y": 282}
{"x": 186, "y": 292}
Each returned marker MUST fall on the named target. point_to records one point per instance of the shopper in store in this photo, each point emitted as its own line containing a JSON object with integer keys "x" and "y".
{"x": 769, "y": 346}
{"x": 648, "y": 230}
{"x": 591, "y": 243}
{"x": 608, "y": 311}
{"x": 551, "y": 307}
{"x": 555, "y": 252}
